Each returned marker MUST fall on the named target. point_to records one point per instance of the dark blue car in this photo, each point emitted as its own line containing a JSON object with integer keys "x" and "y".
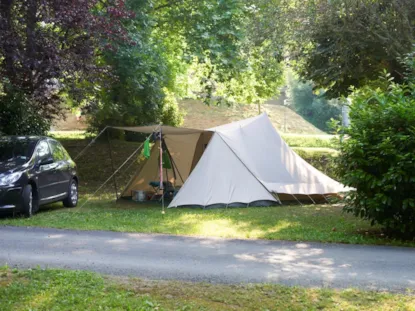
{"x": 35, "y": 171}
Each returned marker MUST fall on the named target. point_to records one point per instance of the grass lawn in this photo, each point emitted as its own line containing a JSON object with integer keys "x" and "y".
{"x": 75, "y": 290}
{"x": 323, "y": 223}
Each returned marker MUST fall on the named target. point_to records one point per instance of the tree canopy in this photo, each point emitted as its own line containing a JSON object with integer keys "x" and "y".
{"x": 127, "y": 61}
{"x": 47, "y": 50}
{"x": 338, "y": 44}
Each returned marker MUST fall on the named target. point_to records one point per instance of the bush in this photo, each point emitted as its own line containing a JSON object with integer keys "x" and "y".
{"x": 377, "y": 157}
{"x": 19, "y": 117}
{"x": 323, "y": 160}
{"x": 316, "y": 109}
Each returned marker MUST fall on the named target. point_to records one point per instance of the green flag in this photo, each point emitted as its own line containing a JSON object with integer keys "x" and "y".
{"x": 146, "y": 150}
{"x": 166, "y": 160}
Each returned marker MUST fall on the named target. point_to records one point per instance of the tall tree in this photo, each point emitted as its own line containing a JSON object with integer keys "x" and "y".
{"x": 343, "y": 43}
{"x": 48, "y": 48}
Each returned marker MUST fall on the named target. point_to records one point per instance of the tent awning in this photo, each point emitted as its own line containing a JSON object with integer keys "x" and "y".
{"x": 170, "y": 130}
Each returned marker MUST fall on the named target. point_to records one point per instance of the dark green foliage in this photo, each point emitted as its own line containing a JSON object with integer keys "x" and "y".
{"x": 378, "y": 157}
{"x": 343, "y": 43}
{"x": 48, "y": 50}
{"x": 316, "y": 109}
{"x": 19, "y": 117}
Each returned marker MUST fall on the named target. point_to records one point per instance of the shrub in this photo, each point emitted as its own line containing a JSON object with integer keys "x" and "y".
{"x": 19, "y": 117}
{"x": 377, "y": 157}
{"x": 324, "y": 160}
{"x": 316, "y": 109}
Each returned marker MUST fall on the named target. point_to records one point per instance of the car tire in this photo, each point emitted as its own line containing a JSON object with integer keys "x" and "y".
{"x": 72, "y": 199}
{"x": 29, "y": 203}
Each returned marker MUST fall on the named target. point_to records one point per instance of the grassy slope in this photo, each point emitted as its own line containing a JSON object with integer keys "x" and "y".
{"x": 322, "y": 223}
{"x": 76, "y": 290}
{"x": 201, "y": 116}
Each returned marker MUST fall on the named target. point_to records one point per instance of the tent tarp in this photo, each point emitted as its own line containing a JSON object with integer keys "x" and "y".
{"x": 272, "y": 161}
{"x": 245, "y": 154}
{"x": 220, "y": 178}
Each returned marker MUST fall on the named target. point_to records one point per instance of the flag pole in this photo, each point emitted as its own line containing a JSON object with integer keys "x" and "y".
{"x": 161, "y": 169}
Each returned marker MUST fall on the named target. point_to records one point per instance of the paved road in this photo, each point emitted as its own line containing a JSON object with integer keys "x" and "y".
{"x": 210, "y": 259}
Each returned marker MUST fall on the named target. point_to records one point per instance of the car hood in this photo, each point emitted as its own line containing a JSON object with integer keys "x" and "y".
{"x": 10, "y": 167}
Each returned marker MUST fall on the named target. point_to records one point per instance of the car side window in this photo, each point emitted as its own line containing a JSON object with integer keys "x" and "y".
{"x": 42, "y": 150}
{"x": 58, "y": 153}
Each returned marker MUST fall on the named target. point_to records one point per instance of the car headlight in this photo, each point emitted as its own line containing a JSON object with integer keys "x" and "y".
{"x": 9, "y": 178}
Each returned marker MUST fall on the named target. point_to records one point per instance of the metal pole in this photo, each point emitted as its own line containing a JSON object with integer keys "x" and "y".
{"x": 311, "y": 199}
{"x": 161, "y": 170}
{"x": 297, "y": 199}
{"x": 112, "y": 164}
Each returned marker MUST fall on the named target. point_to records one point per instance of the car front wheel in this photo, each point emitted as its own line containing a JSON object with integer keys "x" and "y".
{"x": 72, "y": 199}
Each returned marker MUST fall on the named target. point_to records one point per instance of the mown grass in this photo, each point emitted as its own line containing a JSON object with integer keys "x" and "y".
{"x": 311, "y": 141}
{"x": 321, "y": 223}
{"x": 77, "y": 290}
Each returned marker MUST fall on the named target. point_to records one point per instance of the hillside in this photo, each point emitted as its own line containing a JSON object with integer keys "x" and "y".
{"x": 200, "y": 116}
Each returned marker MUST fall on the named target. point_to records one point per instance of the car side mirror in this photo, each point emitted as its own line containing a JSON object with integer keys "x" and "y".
{"x": 46, "y": 161}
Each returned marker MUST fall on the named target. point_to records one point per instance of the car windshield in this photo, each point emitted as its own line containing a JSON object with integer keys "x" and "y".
{"x": 16, "y": 150}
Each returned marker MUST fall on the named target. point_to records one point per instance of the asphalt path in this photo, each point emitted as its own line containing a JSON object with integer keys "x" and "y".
{"x": 212, "y": 260}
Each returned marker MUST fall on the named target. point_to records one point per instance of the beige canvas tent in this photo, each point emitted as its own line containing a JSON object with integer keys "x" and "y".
{"x": 245, "y": 162}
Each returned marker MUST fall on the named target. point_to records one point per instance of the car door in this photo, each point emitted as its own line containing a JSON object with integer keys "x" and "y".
{"x": 62, "y": 168}
{"x": 44, "y": 170}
